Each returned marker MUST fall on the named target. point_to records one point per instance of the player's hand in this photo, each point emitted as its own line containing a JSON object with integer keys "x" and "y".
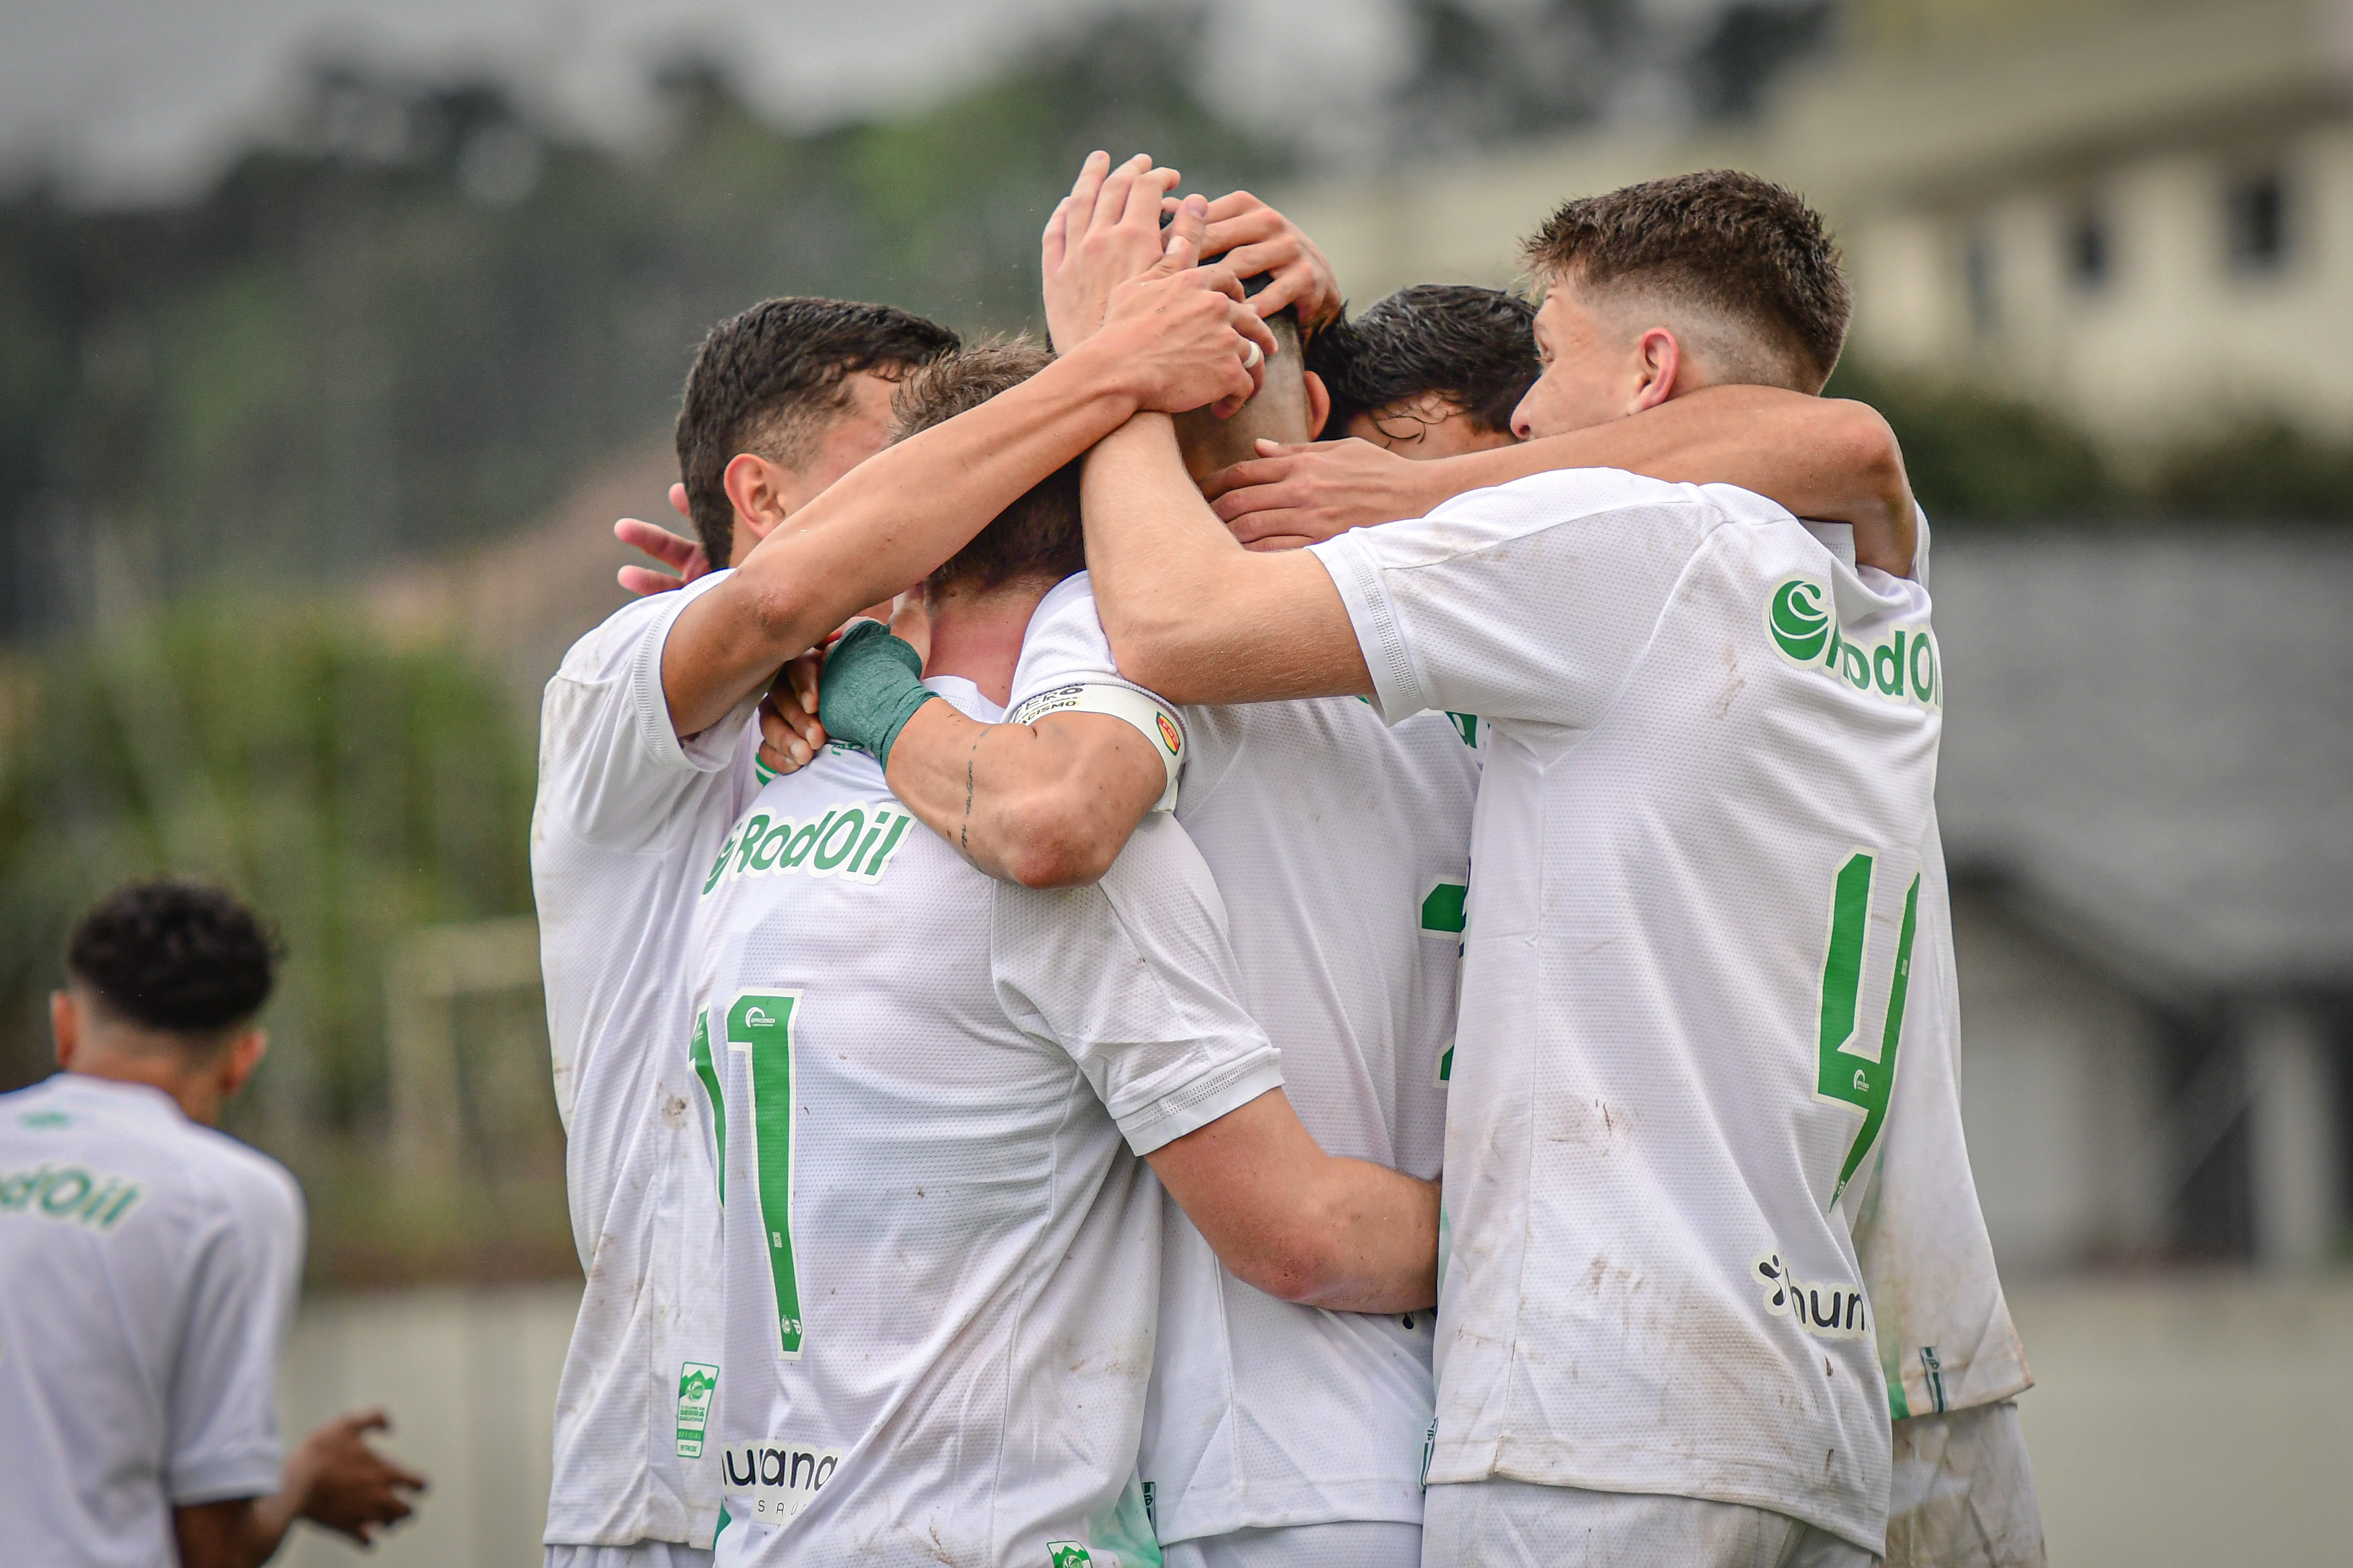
{"x": 1314, "y": 492}
{"x": 1106, "y": 231}
{"x": 683, "y": 556}
{"x": 347, "y": 1486}
{"x": 1252, "y": 238}
{"x": 1183, "y": 335}
{"x": 789, "y": 732}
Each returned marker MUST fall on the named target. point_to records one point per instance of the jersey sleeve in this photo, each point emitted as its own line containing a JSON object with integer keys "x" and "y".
{"x": 1135, "y": 978}
{"x": 1065, "y": 647}
{"x": 244, "y": 1270}
{"x": 1529, "y": 601}
{"x": 610, "y": 766}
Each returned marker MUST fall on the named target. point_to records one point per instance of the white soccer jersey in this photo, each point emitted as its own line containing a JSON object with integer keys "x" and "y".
{"x": 1342, "y": 847}
{"x": 1711, "y": 756}
{"x": 1946, "y": 1339}
{"x": 942, "y": 1255}
{"x": 623, "y": 830}
{"x": 152, "y": 1267}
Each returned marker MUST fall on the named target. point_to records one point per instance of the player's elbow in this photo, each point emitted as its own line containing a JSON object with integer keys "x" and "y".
{"x": 781, "y": 612}
{"x": 1862, "y": 443}
{"x": 1304, "y": 1263}
{"x": 1160, "y": 653}
{"x": 1050, "y": 840}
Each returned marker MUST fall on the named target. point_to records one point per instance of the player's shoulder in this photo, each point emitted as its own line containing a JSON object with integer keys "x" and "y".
{"x": 604, "y": 654}
{"x": 239, "y": 1177}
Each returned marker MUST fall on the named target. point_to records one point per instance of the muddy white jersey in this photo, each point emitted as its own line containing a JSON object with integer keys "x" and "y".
{"x": 1946, "y": 1341}
{"x": 942, "y": 1251}
{"x": 624, "y": 828}
{"x": 1342, "y": 847}
{"x": 151, "y": 1268}
{"x": 1695, "y": 862}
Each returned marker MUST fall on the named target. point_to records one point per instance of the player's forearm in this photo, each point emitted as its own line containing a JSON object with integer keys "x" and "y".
{"x": 1819, "y": 458}
{"x": 242, "y": 1532}
{"x": 884, "y": 526}
{"x": 1048, "y": 805}
{"x": 1378, "y": 1247}
{"x": 1187, "y": 611}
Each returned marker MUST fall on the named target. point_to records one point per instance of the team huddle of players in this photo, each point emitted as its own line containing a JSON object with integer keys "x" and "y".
{"x": 1373, "y": 1002}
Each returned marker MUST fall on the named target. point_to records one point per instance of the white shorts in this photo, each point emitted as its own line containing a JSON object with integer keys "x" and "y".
{"x": 1499, "y": 1523}
{"x": 1357, "y": 1543}
{"x": 640, "y": 1554}
{"x": 1962, "y": 1495}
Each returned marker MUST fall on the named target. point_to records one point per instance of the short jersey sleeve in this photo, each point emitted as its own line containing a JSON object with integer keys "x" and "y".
{"x": 1529, "y": 601}
{"x": 244, "y": 1269}
{"x": 1065, "y": 646}
{"x": 610, "y": 763}
{"x": 1135, "y": 978}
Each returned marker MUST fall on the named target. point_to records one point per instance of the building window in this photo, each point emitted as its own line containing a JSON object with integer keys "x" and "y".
{"x": 2255, "y": 220}
{"x": 2089, "y": 255}
{"x": 1979, "y": 272}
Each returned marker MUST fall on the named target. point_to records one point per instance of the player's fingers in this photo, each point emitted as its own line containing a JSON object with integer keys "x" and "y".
{"x": 1247, "y": 474}
{"x": 1184, "y": 244}
{"x": 1263, "y": 500}
{"x": 1111, "y": 200}
{"x": 643, "y": 580}
{"x": 1252, "y": 328}
{"x": 1279, "y": 541}
{"x": 1145, "y": 196}
{"x": 1234, "y": 205}
{"x": 677, "y": 501}
{"x": 372, "y": 1420}
{"x": 654, "y": 540}
{"x": 1259, "y": 226}
{"x": 1083, "y": 190}
{"x": 1055, "y": 243}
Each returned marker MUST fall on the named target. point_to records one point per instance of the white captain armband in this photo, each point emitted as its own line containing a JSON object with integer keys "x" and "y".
{"x": 1158, "y": 724}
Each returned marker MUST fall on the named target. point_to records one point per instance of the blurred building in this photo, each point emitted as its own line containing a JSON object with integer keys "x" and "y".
{"x": 2139, "y": 211}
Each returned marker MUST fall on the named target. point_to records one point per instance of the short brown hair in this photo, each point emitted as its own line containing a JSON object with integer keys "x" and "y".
{"x": 1720, "y": 241}
{"x": 766, "y": 381}
{"x": 1036, "y": 536}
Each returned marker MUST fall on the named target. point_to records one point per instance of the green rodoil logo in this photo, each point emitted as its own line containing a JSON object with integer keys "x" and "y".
{"x": 1801, "y": 622}
{"x": 696, "y": 1381}
{"x": 1900, "y": 665}
{"x": 1066, "y": 1554}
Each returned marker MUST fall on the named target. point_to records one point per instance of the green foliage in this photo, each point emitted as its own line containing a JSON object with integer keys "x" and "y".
{"x": 2260, "y": 469}
{"x": 354, "y": 791}
{"x": 362, "y": 347}
{"x": 1977, "y": 458}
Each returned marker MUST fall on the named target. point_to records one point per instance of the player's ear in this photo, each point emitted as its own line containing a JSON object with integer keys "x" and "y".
{"x": 1658, "y": 363}
{"x": 763, "y": 493}
{"x": 244, "y": 1054}
{"x": 65, "y": 1023}
{"x": 1319, "y": 406}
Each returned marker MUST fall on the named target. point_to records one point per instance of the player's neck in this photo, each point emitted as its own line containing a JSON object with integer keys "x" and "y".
{"x": 977, "y": 633}
{"x": 194, "y": 1088}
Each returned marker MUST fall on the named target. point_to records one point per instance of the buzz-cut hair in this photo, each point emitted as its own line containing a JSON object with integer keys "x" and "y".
{"x": 1474, "y": 347}
{"x": 1746, "y": 254}
{"x": 768, "y": 380}
{"x": 180, "y": 958}
{"x": 1037, "y": 537}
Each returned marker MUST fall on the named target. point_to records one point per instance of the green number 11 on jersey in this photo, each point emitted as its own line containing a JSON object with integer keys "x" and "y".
{"x": 1845, "y": 1074}
{"x": 760, "y": 1025}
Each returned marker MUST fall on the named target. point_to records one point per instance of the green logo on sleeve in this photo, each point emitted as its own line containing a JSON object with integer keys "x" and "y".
{"x": 1066, "y": 1554}
{"x": 1800, "y": 623}
{"x": 1902, "y": 666}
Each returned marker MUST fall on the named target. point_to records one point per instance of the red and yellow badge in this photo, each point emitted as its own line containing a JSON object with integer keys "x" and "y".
{"x": 1169, "y": 736}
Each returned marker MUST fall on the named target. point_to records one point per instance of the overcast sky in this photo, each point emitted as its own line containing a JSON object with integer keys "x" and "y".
{"x": 138, "y": 98}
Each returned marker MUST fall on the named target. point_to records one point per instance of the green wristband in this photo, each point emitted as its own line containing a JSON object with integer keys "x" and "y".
{"x": 873, "y": 683}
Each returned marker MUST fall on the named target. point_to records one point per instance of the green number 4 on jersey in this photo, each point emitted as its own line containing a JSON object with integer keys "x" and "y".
{"x": 1846, "y": 1075}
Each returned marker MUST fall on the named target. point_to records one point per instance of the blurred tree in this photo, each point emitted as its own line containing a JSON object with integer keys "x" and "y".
{"x": 1977, "y": 458}
{"x": 2263, "y": 468}
{"x": 352, "y": 790}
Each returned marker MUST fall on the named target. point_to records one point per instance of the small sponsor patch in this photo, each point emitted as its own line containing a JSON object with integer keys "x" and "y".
{"x": 780, "y": 1477}
{"x": 1066, "y": 1554}
{"x": 1830, "y": 1311}
{"x": 1169, "y": 736}
{"x": 696, "y": 1381}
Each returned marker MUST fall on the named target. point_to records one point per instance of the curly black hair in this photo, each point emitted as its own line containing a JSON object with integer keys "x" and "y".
{"x": 1474, "y": 347}
{"x": 177, "y": 957}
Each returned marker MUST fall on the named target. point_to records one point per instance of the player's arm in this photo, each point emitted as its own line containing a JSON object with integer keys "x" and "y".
{"x": 1826, "y": 458}
{"x": 1190, "y": 613}
{"x": 1300, "y": 1223}
{"x": 1173, "y": 338}
{"x": 334, "y": 1479}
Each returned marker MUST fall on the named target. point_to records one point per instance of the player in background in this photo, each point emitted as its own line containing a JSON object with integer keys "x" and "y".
{"x": 153, "y": 1265}
{"x": 942, "y": 1264}
{"x": 1697, "y": 859}
{"x": 782, "y": 400}
{"x": 1963, "y": 1488}
{"x": 1278, "y": 1434}
{"x": 1433, "y": 370}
